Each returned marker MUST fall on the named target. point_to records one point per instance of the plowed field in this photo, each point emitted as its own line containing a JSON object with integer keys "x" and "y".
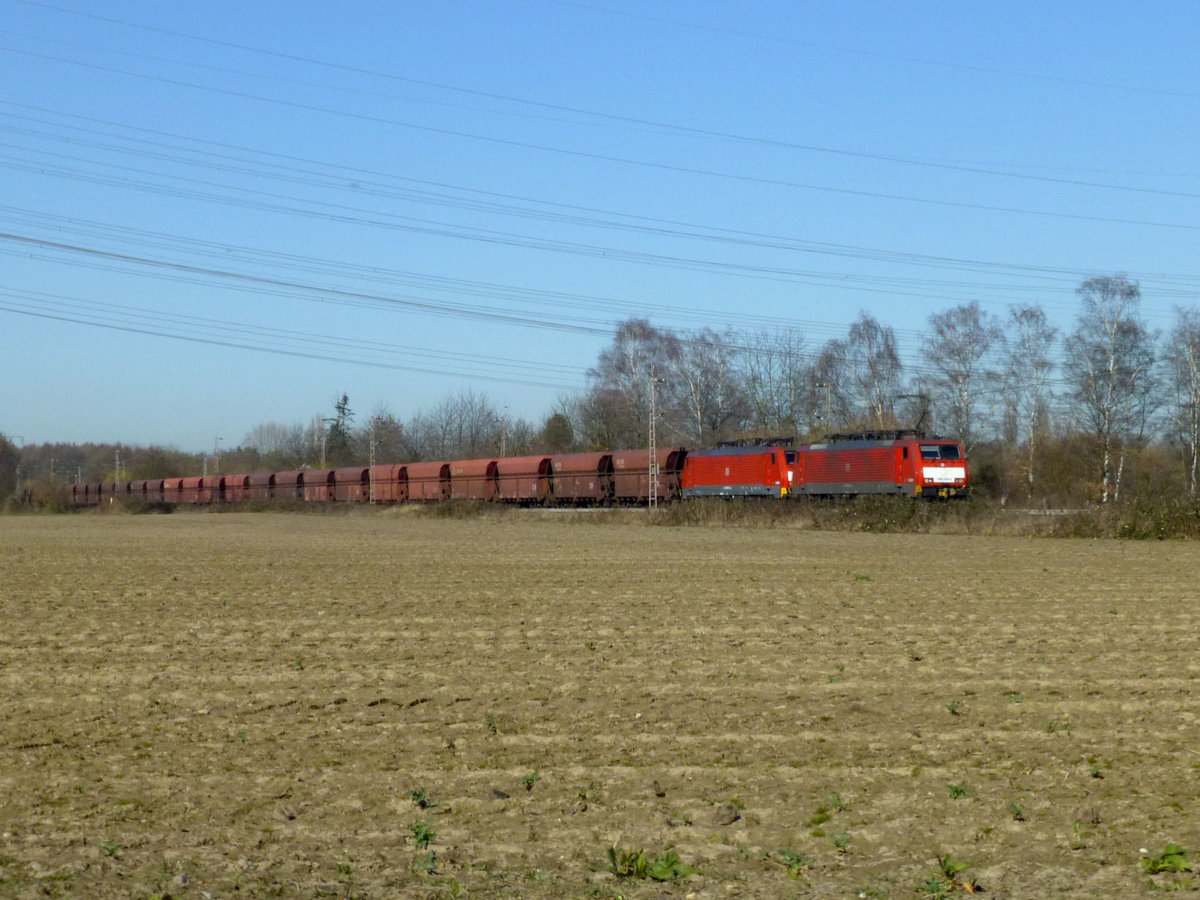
{"x": 213, "y": 706}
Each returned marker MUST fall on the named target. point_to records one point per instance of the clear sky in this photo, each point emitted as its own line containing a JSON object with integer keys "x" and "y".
{"x": 401, "y": 200}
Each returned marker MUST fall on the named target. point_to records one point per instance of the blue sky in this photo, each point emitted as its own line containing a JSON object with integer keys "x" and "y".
{"x": 410, "y": 199}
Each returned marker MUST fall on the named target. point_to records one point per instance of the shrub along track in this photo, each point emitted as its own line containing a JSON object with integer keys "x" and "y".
{"x": 245, "y": 703}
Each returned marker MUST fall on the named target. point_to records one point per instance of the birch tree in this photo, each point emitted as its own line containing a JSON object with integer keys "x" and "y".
{"x": 1183, "y": 365}
{"x": 832, "y": 388}
{"x": 1109, "y": 360}
{"x": 777, "y": 378}
{"x": 619, "y": 389}
{"x": 875, "y": 369}
{"x": 709, "y": 385}
{"x": 960, "y": 341}
{"x": 1028, "y": 366}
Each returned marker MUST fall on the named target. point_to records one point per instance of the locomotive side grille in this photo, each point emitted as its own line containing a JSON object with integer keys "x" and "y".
{"x": 845, "y": 466}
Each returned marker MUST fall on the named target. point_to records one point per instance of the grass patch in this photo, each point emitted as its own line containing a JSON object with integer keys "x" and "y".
{"x": 465, "y": 509}
{"x": 1172, "y": 859}
{"x": 636, "y": 865}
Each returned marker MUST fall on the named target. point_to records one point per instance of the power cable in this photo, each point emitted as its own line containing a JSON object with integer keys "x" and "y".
{"x": 686, "y": 130}
{"x": 191, "y": 336}
{"x": 856, "y": 51}
{"x": 610, "y": 158}
{"x": 652, "y": 226}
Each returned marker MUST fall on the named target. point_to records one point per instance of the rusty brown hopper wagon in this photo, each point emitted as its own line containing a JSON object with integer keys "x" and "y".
{"x": 631, "y": 474}
{"x": 352, "y": 484}
{"x": 428, "y": 481}
{"x": 260, "y": 486}
{"x": 522, "y": 479}
{"x": 318, "y": 485}
{"x": 472, "y": 479}
{"x": 581, "y": 478}
{"x": 387, "y": 483}
{"x": 288, "y": 486}
{"x": 235, "y": 488}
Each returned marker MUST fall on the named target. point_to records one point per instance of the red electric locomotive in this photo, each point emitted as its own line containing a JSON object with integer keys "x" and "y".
{"x": 882, "y": 462}
{"x": 756, "y": 471}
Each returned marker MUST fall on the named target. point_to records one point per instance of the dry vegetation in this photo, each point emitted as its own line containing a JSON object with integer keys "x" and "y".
{"x": 382, "y": 705}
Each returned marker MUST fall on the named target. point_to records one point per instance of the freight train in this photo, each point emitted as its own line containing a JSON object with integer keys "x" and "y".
{"x": 901, "y": 463}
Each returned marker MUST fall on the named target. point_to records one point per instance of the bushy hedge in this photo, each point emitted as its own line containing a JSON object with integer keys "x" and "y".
{"x": 1162, "y": 519}
{"x": 1145, "y": 518}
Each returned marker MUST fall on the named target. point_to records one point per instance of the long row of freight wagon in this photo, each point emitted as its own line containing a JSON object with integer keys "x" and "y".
{"x": 843, "y": 465}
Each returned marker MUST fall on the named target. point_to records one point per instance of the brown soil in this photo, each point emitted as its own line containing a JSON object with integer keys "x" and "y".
{"x": 211, "y": 706}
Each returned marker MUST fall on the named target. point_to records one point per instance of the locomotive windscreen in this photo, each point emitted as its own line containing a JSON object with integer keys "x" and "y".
{"x": 940, "y": 451}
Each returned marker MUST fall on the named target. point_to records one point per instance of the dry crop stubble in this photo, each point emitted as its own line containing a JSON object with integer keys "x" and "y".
{"x": 203, "y": 703}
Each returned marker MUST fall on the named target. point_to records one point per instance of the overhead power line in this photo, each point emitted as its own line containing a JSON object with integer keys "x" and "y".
{"x": 300, "y": 343}
{"x": 316, "y": 290}
{"x": 659, "y": 126}
{"x": 593, "y": 314}
{"x": 589, "y": 313}
{"x": 891, "y": 284}
{"x": 330, "y": 348}
{"x": 306, "y": 345}
{"x": 321, "y": 174}
{"x": 612, "y": 158}
{"x": 855, "y": 51}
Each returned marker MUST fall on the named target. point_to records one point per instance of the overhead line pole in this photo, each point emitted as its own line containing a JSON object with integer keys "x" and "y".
{"x": 371, "y": 460}
{"x": 652, "y": 494}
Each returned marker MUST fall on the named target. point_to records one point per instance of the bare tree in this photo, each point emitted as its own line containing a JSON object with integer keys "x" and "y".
{"x": 314, "y": 440}
{"x": 464, "y": 425}
{"x": 278, "y": 446}
{"x": 1028, "y": 366}
{"x": 1109, "y": 360}
{"x": 1183, "y": 363}
{"x": 709, "y": 385}
{"x": 618, "y": 404}
{"x": 961, "y": 339}
{"x": 274, "y": 437}
{"x": 420, "y": 441}
{"x": 777, "y": 377}
{"x": 477, "y": 424}
{"x": 830, "y": 397}
{"x": 875, "y": 369}
{"x": 601, "y": 420}
{"x": 390, "y": 436}
{"x": 521, "y": 437}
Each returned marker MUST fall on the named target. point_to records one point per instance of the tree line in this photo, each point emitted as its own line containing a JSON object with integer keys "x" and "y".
{"x": 1046, "y": 416}
{"x": 1059, "y": 418}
